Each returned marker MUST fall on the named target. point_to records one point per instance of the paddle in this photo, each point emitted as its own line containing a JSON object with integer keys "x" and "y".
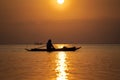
{"x": 42, "y": 46}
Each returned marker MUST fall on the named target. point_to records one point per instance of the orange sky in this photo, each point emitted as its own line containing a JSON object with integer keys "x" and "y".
{"x": 47, "y": 19}
{"x": 48, "y": 9}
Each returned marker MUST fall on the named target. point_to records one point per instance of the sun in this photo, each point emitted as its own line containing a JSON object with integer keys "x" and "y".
{"x": 60, "y": 1}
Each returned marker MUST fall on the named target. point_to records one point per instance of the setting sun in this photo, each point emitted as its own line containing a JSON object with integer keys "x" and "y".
{"x": 60, "y": 1}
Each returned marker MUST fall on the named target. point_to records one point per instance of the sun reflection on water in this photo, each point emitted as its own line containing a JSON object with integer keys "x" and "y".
{"x": 61, "y": 66}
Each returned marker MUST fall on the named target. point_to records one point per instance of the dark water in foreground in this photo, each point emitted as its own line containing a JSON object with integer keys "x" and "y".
{"x": 91, "y": 62}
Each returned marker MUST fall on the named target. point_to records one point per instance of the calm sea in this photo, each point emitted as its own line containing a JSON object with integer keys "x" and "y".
{"x": 91, "y": 62}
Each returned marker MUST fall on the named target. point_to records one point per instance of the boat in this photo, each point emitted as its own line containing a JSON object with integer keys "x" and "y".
{"x": 58, "y": 49}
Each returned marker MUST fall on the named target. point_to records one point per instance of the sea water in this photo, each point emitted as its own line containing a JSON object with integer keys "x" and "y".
{"x": 91, "y": 62}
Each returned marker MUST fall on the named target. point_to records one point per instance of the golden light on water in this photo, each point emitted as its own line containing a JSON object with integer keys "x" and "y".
{"x": 61, "y": 66}
{"x": 60, "y": 46}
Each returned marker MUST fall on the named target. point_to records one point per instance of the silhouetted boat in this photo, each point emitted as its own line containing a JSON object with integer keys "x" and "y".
{"x": 59, "y": 49}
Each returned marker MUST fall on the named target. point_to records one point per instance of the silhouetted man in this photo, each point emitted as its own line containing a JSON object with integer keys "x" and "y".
{"x": 50, "y": 45}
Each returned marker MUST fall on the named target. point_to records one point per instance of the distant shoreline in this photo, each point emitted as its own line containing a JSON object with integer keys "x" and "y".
{"x": 54, "y": 43}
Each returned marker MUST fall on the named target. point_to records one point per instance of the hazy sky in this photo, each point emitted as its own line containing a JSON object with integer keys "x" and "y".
{"x": 75, "y": 21}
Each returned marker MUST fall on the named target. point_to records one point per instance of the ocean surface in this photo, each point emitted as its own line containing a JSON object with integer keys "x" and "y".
{"x": 91, "y": 62}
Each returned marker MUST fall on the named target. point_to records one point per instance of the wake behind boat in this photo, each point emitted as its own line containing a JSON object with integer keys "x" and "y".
{"x": 58, "y": 49}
